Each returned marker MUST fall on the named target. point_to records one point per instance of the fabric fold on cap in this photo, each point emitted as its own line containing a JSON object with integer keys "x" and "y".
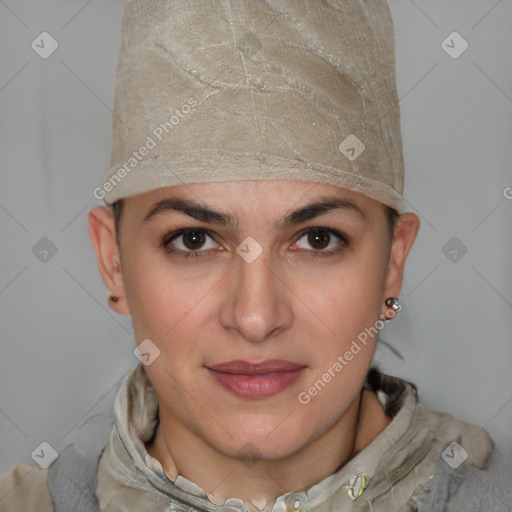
{"x": 256, "y": 90}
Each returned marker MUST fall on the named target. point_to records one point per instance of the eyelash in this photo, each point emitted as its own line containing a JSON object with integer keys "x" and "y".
{"x": 166, "y": 241}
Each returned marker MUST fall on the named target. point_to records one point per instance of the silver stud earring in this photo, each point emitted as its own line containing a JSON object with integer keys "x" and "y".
{"x": 394, "y": 304}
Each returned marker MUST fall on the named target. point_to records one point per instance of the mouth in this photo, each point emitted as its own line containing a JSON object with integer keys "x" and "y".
{"x": 256, "y": 380}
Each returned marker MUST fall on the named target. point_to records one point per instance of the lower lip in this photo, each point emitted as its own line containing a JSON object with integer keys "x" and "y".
{"x": 257, "y": 386}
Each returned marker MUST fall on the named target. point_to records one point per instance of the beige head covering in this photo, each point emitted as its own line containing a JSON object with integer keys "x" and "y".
{"x": 225, "y": 90}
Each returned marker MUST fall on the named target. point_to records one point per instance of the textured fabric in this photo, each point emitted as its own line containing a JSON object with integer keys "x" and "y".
{"x": 25, "y": 489}
{"x": 224, "y": 90}
{"x": 468, "y": 489}
{"x": 399, "y": 462}
{"x": 72, "y": 482}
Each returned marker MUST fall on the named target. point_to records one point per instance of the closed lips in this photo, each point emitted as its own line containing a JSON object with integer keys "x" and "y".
{"x": 256, "y": 381}
{"x": 264, "y": 368}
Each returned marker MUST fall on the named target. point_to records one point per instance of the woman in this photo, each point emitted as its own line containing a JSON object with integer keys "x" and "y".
{"x": 258, "y": 241}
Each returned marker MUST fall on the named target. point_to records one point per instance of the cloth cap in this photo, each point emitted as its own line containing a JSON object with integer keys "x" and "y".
{"x": 210, "y": 91}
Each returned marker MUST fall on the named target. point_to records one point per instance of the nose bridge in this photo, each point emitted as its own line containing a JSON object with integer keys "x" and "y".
{"x": 259, "y": 303}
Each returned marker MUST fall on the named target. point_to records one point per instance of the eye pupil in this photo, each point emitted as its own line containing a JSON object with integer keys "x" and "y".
{"x": 193, "y": 237}
{"x": 319, "y": 239}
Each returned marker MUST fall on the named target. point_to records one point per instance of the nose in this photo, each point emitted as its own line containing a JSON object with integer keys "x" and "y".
{"x": 258, "y": 301}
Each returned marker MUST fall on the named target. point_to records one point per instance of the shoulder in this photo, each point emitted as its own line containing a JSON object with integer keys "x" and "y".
{"x": 463, "y": 442}
{"x": 460, "y": 469}
{"x": 470, "y": 474}
{"x": 466, "y": 488}
{"x": 25, "y": 487}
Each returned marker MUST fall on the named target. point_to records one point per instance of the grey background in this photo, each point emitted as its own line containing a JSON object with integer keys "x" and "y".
{"x": 62, "y": 350}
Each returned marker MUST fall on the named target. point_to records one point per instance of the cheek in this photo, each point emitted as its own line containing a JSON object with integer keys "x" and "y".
{"x": 169, "y": 306}
{"x": 156, "y": 298}
{"x": 346, "y": 297}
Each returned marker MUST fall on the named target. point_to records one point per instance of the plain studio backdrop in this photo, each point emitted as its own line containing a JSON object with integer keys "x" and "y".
{"x": 63, "y": 351}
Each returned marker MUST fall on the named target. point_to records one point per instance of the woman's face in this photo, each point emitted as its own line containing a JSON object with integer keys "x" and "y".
{"x": 253, "y": 293}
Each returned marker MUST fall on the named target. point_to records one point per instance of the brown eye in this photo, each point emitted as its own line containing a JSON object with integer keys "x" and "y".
{"x": 323, "y": 241}
{"x": 193, "y": 240}
{"x": 189, "y": 242}
{"x": 319, "y": 239}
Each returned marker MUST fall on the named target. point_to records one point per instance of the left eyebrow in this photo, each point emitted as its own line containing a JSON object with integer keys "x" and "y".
{"x": 203, "y": 213}
{"x": 321, "y": 206}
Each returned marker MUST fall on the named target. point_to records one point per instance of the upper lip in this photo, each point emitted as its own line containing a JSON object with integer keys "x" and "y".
{"x": 246, "y": 368}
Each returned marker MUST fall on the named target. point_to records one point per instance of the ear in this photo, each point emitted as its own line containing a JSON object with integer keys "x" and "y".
{"x": 406, "y": 229}
{"x": 103, "y": 237}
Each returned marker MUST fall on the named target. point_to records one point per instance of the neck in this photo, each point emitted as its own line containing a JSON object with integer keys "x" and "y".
{"x": 260, "y": 481}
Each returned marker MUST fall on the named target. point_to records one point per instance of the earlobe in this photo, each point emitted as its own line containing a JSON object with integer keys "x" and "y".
{"x": 103, "y": 238}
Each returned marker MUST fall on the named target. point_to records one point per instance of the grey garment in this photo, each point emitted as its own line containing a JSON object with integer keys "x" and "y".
{"x": 72, "y": 478}
{"x": 467, "y": 489}
{"x": 402, "y": 464}
{"x": 72, "y": 482}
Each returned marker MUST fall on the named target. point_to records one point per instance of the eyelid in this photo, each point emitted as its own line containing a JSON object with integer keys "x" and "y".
{"x": 343, "y": 238}
{"x": 166, "y": 243}
{"x": 168, "y": 238}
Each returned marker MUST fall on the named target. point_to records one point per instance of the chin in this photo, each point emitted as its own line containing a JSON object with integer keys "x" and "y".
{"x": 254, "y": 446}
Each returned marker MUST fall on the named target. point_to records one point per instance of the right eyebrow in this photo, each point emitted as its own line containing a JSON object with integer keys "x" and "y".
{"x": 195, "y": 210}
